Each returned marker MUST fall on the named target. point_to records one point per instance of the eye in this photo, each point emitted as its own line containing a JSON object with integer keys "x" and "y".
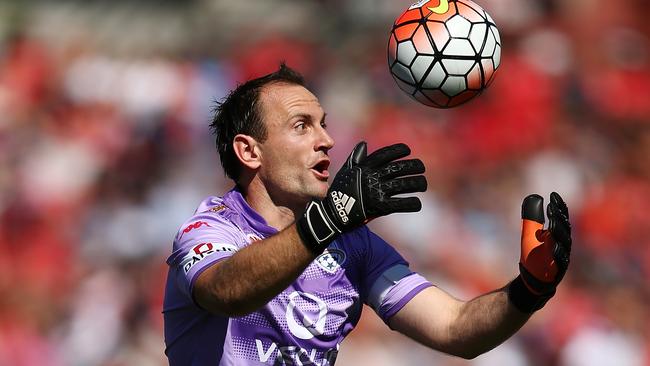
{"x": 301, "y": 125}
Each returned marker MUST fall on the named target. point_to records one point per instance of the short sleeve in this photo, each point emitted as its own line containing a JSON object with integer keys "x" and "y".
{"x": 200, "y": 243}
{"x": 390, "y": 283}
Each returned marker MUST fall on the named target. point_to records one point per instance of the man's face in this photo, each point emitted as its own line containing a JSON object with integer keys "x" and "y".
{"x": 294, "y": 155}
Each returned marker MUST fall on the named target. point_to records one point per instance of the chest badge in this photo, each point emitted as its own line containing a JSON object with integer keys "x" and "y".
{"x": 331, "y": 259}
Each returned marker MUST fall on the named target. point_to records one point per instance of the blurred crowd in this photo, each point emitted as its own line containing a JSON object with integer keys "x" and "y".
{"x": 105, "y": 150}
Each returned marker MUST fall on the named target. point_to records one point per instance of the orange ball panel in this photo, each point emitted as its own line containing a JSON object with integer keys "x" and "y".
{"x": 392, "y": 49}
{"x": 437, "y": 96}
{"x": 469, "y": 13}
{"x": 421, "y": 41}
{"x": 424, "y": 100}
{"x": 472, "y": 5}
{"x": 488, "y": 70}
{"x": 439, "y": 34}
{"x": 409, "y": 15}
{"x": 405, "y": 31}
{"x": 474, "y": 78}
{"x": 463, "y": 97}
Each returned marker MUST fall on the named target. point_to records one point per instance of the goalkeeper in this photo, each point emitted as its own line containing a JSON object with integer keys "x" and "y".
{"x": 277, "y": 270}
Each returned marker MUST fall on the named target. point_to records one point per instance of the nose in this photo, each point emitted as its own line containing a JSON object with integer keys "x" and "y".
{"x": 325, "y": 141}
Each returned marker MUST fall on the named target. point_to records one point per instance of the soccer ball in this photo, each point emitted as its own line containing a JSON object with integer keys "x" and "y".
{"x": 444, "y": 52}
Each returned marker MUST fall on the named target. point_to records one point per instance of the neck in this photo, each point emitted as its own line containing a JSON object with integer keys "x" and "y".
{"x": 277, "y": 215}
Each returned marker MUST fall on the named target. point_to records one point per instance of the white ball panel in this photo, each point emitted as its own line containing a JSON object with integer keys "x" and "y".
{"x": 459, "y": 47}
{"x": 495, "y": 33}
{"x": 490, "y": 44}
{"x": 477, "y": 35}
{"x": 454, "y": 85}
{"x": 458, "y": 26}
{"x": 406, "y": 52}
{"x": 489, "y": 18}
{"x": 497, "y": 57}
{"x": 403, "y": 73}
{"x": 420, "y": 66}
{"x": 435, "y": 77}
{"x": 457, "y": 67}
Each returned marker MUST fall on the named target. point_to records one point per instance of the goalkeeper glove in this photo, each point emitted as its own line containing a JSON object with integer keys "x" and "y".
{"x": 544, "y": 252}
{"x": 361, "y": 191}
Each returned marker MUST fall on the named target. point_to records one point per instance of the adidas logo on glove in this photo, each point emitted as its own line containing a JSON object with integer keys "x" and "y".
{"x": 363, "y": 179}
{"x": 343, "y": 204}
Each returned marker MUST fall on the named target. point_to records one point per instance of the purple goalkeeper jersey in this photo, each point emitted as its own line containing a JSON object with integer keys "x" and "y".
{"x": 305, "y": 323}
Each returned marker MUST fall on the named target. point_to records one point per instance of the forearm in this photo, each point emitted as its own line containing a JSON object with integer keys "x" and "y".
{"x": 487, "y": 321}
{"x": 465, "y": 329}
{"x": 468, "y": 329}
{"x": 254, "y": 275}
{"x": 483, "y": 323}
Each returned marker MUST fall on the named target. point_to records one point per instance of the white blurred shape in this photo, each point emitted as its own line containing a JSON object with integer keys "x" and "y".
{"x": 599, "y": 346}
{"x": 148, "y": 87}
{"x": 58, "y": 171}
{"x": 92, "y": 79}
{"x": 553, "y": 171}
{"x": 142, "y": 87}
{"x": 513, "y": 15}
{"x": 549, "y": 51}
{"x": 509, "y": 353}
{"x": 96, "y": 324}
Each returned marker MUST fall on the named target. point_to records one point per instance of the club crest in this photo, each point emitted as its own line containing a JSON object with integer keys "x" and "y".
{"x": 331, "y": 259}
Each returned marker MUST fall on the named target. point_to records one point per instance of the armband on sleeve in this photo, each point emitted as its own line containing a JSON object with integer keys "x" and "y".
{"x": 393, "y": 289}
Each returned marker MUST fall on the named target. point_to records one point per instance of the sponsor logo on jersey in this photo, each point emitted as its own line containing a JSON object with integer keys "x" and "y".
{"x": 303, "y": 324}
{"x": 331, "y": 259}
{"x": 202, "y": 251}
{"x": 343, "y": 204}
{"x": 294, "y": 355}
{"x": 194, "y": 225}
{"x": 310, "y": 325}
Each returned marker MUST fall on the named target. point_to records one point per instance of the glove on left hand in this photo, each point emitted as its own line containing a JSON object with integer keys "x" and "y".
{"x": 544, "y": 253}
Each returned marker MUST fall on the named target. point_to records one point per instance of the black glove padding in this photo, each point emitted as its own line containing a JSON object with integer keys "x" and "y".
{"x": 362, "y": 190}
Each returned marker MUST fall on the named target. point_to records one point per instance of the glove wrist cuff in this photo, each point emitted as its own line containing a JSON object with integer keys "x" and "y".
{"x": 524, "y": 299}
{"x": 315, "y": 228}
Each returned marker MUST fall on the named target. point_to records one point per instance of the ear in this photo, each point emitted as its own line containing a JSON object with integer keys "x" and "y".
{"x": 247, "y": 151}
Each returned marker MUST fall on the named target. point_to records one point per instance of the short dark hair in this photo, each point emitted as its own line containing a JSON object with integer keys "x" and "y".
{"x": 239, "y": 113}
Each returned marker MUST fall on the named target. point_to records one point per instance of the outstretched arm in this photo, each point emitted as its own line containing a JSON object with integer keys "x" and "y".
{"x": 465, "y": 329}
{"x": 468, "y": 329}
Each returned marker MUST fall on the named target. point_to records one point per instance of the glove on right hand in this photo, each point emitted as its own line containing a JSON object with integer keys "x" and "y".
{"x": 361, "y": 191}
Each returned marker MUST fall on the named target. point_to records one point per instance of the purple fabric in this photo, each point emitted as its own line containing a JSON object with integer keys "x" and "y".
{"x": 402, "y": 293}
{"x": 304, "y": 324}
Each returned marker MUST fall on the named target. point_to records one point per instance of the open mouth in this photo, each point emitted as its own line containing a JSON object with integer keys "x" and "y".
{"x": 320, "y": 169}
